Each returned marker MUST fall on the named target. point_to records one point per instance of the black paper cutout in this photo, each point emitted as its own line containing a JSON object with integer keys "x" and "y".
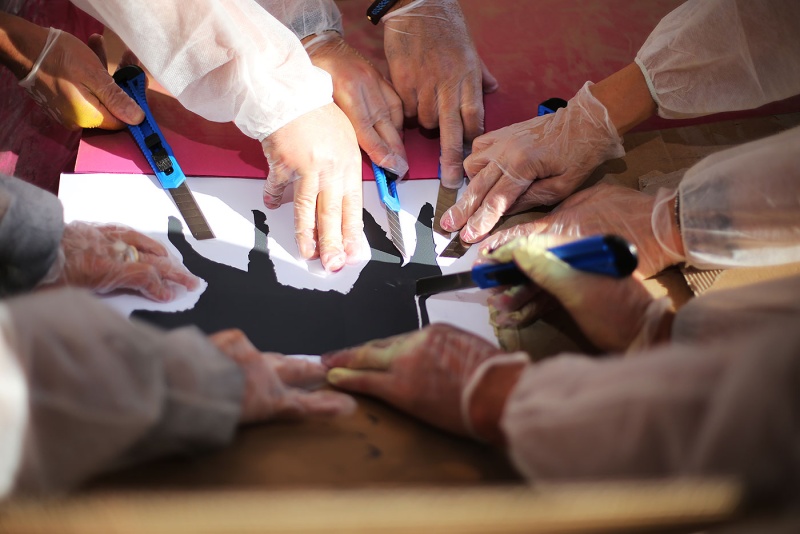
{"x": 293, "y": 320}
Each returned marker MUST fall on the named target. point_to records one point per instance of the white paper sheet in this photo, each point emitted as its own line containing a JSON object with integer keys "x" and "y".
{"x": 138, "y": 201}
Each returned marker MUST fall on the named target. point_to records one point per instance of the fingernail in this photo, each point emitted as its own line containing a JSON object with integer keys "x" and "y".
{"x": 334, "y": 262}
{"x": 447, "y": 222}
{"x": 307, "y": 247}
{"x": 271, "y": 201}
{"x": 468, "y": 235}
{"x": 336, "y": 375}
{"x": 396, "y": 164}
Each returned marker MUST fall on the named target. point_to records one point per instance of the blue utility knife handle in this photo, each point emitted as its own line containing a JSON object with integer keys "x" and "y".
{"x": 387, "y": 189}
{"x": 603, "y": 254}
{"x": 551, "y": 105}
{"x": 151, "y": 141}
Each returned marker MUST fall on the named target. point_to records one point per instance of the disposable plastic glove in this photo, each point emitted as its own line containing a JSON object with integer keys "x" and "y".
{"x": 427, "y": 373}
{"x": 107, "y": 257}
{"x": 276, "y": 387}
{"x": 614, "y": 314}
{"x": 436, "y": 71}
{"x": 319, "y": 150}
{"x": 605, "y": 209}
{"x": 71, "y": 81}
{"x": 368, "y": 100}
{"x": 533, "y": 163}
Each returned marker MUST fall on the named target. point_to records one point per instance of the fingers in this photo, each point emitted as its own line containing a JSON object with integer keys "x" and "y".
{"x": 120, "y": 109}
{"x": 457, "y": 216}
{"x": 373, "y": 356}
{"x": 384, "y": 146}
{"x": 514, "y": 298}
{"x": 97, "y": 44}
{"x": 374, "y": 383}
{"x": 298, "y": 372}
{"x": 496, "y": 204}
{"x": 329, "y": 219}
{"x": 170, "y": 270}
{"x": 353, "y": 223}
{"x": 278, "y": 180}
{"x": 142, "y": 242}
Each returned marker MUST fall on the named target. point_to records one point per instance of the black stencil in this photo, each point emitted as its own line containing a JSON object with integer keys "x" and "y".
{"x": 292, "y": 320}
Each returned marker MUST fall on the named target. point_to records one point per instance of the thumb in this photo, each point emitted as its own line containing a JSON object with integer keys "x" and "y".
{"x": 544, "y": 268}
{"x": 490, "y": 83}
{"x": 120, "y": 105}
{"x": 375, "y": 383}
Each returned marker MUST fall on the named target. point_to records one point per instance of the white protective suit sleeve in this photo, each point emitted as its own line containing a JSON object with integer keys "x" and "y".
{"x": 226, "y": 60}
{"x": 31, "y": 226}
{"x": 710, "y": 56}
{"x": 100, "y": 392}
{"x": 740, "y": 207}
{"x": 306, "y": 17}
{"x": 718, "y": 402}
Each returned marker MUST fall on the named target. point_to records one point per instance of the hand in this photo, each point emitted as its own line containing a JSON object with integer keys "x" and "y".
{"x": 276, "y": 387}
{"x": 424, "y": 373}
{"x": 602, "y": 209}
{"x": 436, "y": 71}
{"x": 108, "y": 257}
{"x": 368, "y": 100}
{"x": 610, "y": 312}
{"x": 320, "y": 151}
{"x": 71, "y": 81}
{"x": 537, "y": 162}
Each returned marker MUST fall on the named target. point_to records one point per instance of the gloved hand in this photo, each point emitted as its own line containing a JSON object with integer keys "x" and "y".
{"x": 426, "y": 373}
{"x": 319, "y": 150}
{"x": 276, "y": 387}
{"x": 71, "y": 81}
{"x": 533, "y": 163}
{"x": 107, "y": 257}
{"x": 368, "y": 100}
{"x": 436, "y": 71}
{"x": 613, "y": 313}
{"x": 606, "y": 209}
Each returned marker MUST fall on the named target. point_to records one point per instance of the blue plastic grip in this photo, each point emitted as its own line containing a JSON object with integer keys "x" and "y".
{"x": 608, "y": 255}
{"x": 387, "y": 190}
{"x": 147, "y": 134}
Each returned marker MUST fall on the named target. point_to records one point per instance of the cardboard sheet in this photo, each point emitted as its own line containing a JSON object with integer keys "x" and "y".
{"x": 253, "y": 279}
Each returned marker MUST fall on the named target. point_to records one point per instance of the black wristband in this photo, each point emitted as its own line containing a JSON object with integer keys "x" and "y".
{"x": 378, "y": 9}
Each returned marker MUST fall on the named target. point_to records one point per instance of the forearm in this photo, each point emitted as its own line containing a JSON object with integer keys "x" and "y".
{"x": 626, "y": 97}
{"x": 242, "y": 66}
{"x": 31, "y": 226}
{"x": 104, "y": 392}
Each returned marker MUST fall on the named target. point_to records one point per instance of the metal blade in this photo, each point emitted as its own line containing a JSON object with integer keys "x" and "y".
{"x": 448, "y": 282}
{"x": 444, "y": 201}
{"x": 190, "y": 212}
{"x": 396, "y": 231}
{"x": 455, "y": 249}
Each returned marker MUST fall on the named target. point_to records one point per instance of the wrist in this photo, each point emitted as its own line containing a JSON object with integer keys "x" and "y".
{"x": 21, "y": 42}
{"x": 666, "y": 227}
{"x": 488, "y": 400}
{"x": 626, "y": 97}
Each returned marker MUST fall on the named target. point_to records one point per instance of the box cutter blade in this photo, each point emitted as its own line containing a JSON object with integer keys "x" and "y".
{"x": 159, "y": 155}
{"x": 387, "y": 191}
{"x": 608, "y": 255}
